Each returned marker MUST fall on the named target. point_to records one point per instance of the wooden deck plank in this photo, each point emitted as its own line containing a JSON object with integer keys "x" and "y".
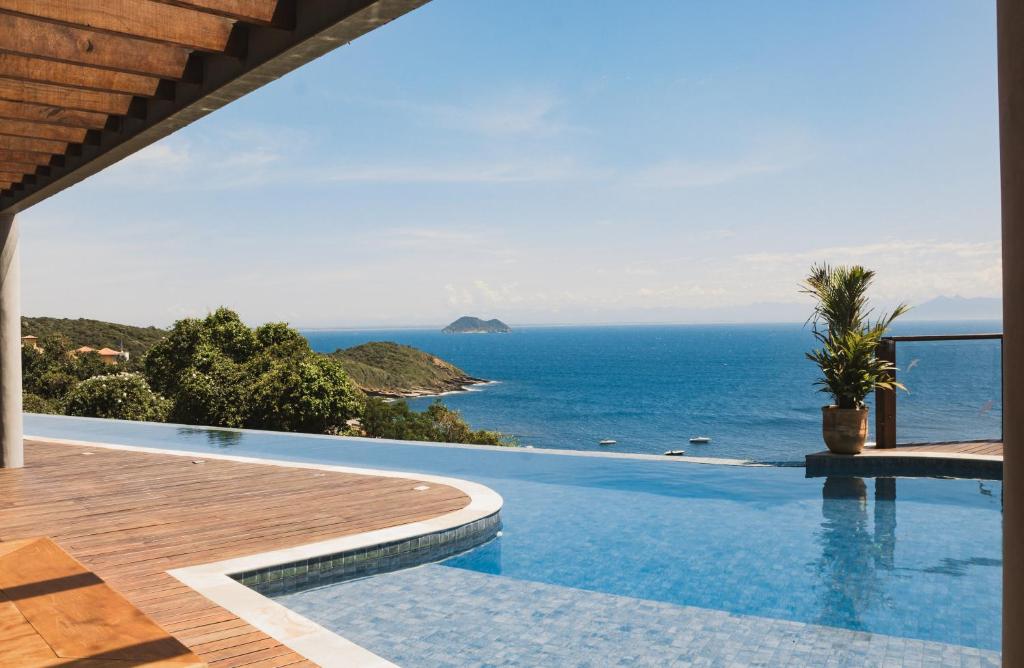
{"x": 130, "y": 517}
{"x": 994, "y": 448}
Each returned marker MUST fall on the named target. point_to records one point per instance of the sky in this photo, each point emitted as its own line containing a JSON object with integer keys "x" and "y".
{"x": 559, "y": 162}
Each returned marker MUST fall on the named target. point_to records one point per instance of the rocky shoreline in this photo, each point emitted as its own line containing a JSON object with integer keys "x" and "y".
{"x": 449, "y": 387}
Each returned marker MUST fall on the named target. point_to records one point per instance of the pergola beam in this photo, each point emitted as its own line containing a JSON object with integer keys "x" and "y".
{"x": 61, "y": 96}
{"x": 25, "y": 157}
{"x": 46, "y": 113}
{"x": 18, "y": 167}
{"x": 26, "y": 68}
{"x": 42, "y": 131}
{"x": 29, "y": 144}
{"x": 266, "y": 12}
{"x": 262, "y": 54}
{"x": 144, "y": 19}
{"x": 44, "y": 39}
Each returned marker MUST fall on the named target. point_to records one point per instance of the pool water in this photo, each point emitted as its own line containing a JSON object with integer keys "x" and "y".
{"x": 755, "y": 550}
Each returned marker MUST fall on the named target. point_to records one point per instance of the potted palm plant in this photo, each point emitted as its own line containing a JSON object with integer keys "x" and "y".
{"x": 848, "y": 339}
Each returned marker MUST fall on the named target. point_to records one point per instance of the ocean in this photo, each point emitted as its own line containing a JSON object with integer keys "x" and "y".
{"x": 652, "y": 387}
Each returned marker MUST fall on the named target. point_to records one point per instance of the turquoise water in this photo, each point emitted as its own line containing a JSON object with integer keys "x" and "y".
{"x": 653, "y": 387}
{"x": 913, "y": 558}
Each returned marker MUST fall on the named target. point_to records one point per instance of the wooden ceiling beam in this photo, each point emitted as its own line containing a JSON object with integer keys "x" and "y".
{"x": 11, "y": 176}
{"x": 155, "y": 21}
{"x": 28, "y": 157}
{"x": 44, "y": 39}
{"x": 25, "y": 68}
{"x": 35, "y": 145}
{"x": 266, "y": 12}
{"x": 62, "y": 96}
{"x": 42, "y": 131}
{"x": 21, "y": 167}
{"x": 43, "y": 113}
{"x": 204, "y": 82}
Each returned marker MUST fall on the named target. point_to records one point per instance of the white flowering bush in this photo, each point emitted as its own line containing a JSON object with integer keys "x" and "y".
{"x": 122, "y": 396}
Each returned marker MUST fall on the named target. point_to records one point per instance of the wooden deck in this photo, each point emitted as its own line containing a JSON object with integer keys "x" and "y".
{"x": 970, "y": 459}
{"x": 130, "y": 517}
{"x": 992, "y": 448}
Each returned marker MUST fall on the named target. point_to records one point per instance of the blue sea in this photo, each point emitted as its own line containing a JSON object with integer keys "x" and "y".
{"x": 747, "y": 387}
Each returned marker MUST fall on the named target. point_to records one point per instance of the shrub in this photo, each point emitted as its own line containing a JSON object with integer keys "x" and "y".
{"x": 33, "y": 403}
{"x": 122, "y": 396}
{"x": 383, "y": 419}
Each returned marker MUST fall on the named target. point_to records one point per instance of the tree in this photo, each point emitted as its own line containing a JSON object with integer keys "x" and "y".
{"x": 51, "y": 370}
{"x": 122, "y": 396}
{"x": 382, "y": 419}
{"x": 217, "y": 371}
{"x": 307, "y": 392}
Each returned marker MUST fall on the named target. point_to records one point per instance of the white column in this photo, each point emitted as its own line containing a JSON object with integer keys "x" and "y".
{"x": 11, "y": 445}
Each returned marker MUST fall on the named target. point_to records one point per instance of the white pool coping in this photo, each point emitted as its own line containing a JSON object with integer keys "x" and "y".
{"x": 291, "y": 629}
{"x": 526, "y": 449}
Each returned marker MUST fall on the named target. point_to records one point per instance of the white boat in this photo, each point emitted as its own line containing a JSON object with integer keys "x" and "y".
{"x": 607, "y": 441}
{"x": 700, "y": 439}
{"x": 675, "y": 453}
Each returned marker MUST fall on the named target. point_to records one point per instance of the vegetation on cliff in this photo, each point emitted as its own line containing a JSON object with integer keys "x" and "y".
{"x": 217, "y": 371}
{"x": 95, "y": 333}
{"x": 387, "y": 369}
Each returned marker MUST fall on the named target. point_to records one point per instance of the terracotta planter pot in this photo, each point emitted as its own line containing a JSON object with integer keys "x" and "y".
{"x": 845, "y": 429}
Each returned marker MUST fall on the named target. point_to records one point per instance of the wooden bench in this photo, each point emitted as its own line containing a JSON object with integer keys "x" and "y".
{"x": 56, "y": 612}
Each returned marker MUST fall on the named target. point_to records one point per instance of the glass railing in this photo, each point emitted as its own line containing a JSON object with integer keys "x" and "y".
{"x": 954, "y": 390}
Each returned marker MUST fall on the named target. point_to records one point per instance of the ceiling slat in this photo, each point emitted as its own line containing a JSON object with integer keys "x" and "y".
{"x": 254, "y": 11}
{"x": 22, "y": 167}
{"x": 11, "y": 176}
{"x": 69, "y": 98}
{"x": 14, "y": 66}
{"x": 33, "y": 37}
{"x": 44, "y": 113}
{"x": 36, "y": 145}
{"x": 25, "y": 157}
{"x": 138, "y": 18}
{"x": 42, "y": 131}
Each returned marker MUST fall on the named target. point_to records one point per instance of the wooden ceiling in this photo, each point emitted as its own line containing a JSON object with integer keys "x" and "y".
{"x": 84, "y": 83}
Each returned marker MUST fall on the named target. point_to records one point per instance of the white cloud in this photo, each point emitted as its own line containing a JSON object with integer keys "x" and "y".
{"x": 484, "y": 172}
{"x": 907, "y": 270}
{"x": 515, "y": 113}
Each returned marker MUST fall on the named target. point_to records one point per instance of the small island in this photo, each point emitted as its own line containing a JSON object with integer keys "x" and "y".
{"x": 470, "y": 325}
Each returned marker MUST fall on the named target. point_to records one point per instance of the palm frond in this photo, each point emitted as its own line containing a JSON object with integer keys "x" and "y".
{"x": 848, "y": 339}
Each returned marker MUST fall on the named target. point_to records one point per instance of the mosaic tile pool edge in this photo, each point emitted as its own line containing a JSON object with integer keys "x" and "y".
{"x": 362, "y": 562}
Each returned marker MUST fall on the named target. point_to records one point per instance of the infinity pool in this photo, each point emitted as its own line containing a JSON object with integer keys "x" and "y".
{"x": 620, "y": 561}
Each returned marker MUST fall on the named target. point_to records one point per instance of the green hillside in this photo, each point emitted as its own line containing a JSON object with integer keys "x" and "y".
{"x": 390, "y": 369}
{"x": 95, "y": 333}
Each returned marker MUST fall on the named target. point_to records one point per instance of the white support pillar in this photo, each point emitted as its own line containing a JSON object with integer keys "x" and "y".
{"x": 11, "y": 443}
{"x": 1010, "y": 15}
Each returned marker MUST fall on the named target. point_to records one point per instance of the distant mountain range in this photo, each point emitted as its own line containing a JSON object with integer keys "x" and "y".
{"x": 958, "y": 308}
{"x": 468, "y": 324}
